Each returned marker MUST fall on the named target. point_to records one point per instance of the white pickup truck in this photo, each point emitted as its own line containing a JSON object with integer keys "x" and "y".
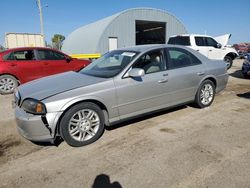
{"x": 213, "y": 48}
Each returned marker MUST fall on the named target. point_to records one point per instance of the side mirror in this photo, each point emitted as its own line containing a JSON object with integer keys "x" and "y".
{"x": 219, "y": 45}
{"x": 68, "y": 59}
{"x": 136, "y": 72}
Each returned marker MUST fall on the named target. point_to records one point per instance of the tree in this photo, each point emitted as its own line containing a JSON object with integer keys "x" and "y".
{"x": 57, "y": 41}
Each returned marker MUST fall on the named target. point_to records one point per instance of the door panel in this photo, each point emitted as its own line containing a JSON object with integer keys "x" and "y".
{"x": 215, "y": 53}
{"x": 184, "y": 75}
{"x": 200, "y": 46}
{"x": 203, "y": 50}
{"x": 141, "y": 94}
{"x": 24, "y": 65}
{"x": 184, "y": 82}
{"x": 55, "y": 66}
{"x": 53, "y": 62}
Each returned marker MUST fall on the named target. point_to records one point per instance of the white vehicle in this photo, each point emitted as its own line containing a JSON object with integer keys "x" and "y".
{"x": 213, "y": 48}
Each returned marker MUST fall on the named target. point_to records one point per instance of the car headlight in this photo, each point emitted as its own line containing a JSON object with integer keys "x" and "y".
{"x": 33, "y": 106}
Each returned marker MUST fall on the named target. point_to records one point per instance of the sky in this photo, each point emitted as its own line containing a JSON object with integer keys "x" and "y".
{"x": 213, "y": 17}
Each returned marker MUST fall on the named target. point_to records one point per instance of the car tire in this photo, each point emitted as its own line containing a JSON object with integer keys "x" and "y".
{"x": 205, "y": 94}
{"x": 228, "y": 61}
{"x": 82, "y": 124}
{"x": 8, "y": 84}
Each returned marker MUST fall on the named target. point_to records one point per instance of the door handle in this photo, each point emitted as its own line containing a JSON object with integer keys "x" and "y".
{"x": 197, "y": 50}
{"x": 165, "y": 74}
{"x": 200, "y": 73}
{"x": 163, "y": 81}
{"x": 210, "y": 50}
{"x": 13, "y": 65}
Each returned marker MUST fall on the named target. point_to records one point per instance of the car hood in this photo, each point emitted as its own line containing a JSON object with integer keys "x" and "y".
{"x": 223, "y": 39}
{"x": 52, "y": 85}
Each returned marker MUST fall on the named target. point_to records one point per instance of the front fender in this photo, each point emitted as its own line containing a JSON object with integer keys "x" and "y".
{"x": 81, "y": 99}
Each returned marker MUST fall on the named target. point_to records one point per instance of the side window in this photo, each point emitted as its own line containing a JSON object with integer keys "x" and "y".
{"x": 194, "y": 59}
{"x": 50, "y": 55}
{"x": 151, "y": 62}
{"x": 21, "y": 55}
{"x": 58, "y": 56}
{"x": 211, "y": 42}
{"x": 9, "y": 56}
{"x": 180, "y": 40}
{"x": 178, "y": 58}
{"x": 199, "y": 41}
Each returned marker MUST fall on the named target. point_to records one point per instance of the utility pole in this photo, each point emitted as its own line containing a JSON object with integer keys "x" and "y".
{"x": 41, "y": 19}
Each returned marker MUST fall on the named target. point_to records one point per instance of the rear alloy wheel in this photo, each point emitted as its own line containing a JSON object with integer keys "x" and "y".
{"x": 82, "y": 124}
{"x": 229, "y": 62}
{"x": 205, "y": 94}
{"x": 8, "y": 84}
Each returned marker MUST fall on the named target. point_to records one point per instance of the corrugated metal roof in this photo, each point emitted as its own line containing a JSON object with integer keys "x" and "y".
{"x": 91, "y": 34}
{"x": 90, "y": 38}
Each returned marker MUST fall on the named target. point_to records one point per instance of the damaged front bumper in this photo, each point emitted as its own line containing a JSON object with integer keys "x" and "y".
{"x": 36, "y": 128}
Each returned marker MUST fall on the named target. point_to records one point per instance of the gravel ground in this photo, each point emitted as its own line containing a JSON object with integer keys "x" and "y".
{"x": 183, "y": 147}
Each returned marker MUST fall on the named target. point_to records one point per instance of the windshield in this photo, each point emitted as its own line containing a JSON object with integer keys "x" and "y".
{"x": 110, "y": 64}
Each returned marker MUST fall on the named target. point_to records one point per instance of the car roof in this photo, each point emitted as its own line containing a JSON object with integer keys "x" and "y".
{"x": 189, "y": 35}
{"x": 30, "y": 48}
{"x": 146, "y": 48}
{"x": 142, "y": 48}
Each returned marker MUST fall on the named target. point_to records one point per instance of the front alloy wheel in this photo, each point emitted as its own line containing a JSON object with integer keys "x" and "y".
{"x": 205, "y": 94}
{"x": 82, "y": 124}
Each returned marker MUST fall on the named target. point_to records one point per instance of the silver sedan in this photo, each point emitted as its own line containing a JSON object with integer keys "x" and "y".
{"x": 122, "y": 84}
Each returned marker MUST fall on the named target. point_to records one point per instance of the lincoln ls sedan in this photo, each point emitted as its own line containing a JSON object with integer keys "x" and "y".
{"x": 122, "y": 84}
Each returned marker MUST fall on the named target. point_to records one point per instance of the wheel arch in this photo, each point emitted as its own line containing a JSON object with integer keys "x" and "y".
{"x": 95, "y": 101}
{"x": 232, "y": 55}
{"x": 209, "y": 77}
{"x": 18, "y": 80}
{"x": 213, "y": 80}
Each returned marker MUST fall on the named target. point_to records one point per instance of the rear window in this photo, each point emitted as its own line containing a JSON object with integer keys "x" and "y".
{"x": 180, "y": 40}
{"x": 20, "y": 55}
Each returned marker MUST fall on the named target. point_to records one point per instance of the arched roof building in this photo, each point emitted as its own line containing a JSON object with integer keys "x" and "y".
{"x": 130, "y": 27}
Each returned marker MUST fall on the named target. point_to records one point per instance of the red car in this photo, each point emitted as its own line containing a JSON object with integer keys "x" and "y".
{"x": 20, "y": 65}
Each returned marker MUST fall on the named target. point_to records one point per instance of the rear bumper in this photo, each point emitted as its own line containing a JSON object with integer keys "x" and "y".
{"x": 32, "y": 127}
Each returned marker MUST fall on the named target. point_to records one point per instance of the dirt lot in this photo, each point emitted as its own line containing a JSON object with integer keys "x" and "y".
{"x": 184, "y": 147}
